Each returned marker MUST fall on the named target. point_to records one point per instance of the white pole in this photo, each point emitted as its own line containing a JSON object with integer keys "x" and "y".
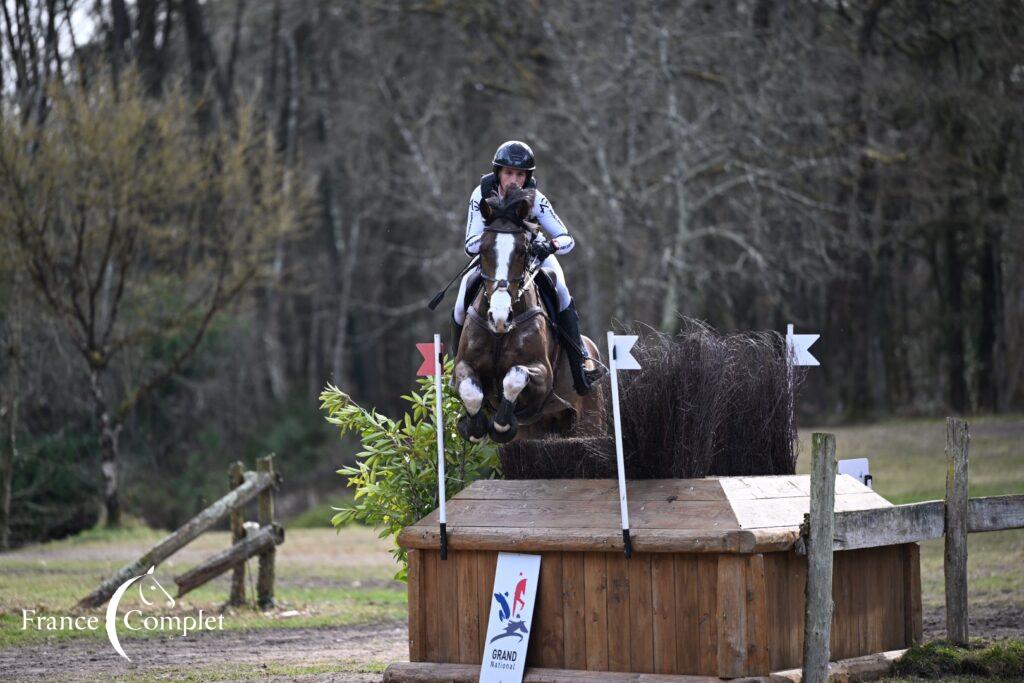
{"x": 613, "y": 367}
{"x": 439, "y": 424}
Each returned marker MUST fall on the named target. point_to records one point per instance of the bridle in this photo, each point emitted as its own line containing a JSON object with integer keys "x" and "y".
{"x": 525, "y": 281}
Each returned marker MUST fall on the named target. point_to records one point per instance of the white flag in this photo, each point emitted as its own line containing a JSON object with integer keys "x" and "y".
{"x": 798, "y": 345}
{"x": 623, "y": 358}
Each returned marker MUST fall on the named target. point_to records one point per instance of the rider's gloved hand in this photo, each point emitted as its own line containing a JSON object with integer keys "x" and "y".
{"x": 542, "y": 249}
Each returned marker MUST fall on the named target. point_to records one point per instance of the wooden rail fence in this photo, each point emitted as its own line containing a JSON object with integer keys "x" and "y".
{"x": 248, "y": 539}
{"x": 952, "y": 518}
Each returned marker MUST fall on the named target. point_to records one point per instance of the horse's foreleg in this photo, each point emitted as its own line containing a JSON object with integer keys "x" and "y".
{"x": 504, "y": 427}
{"x": 473, "y": 425}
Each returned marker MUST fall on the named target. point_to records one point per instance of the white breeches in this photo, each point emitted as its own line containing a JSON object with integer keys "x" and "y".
{"x": 550, "y": 264}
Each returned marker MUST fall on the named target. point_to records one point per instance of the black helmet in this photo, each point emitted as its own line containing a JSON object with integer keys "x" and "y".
{"x": 514, "y": 154}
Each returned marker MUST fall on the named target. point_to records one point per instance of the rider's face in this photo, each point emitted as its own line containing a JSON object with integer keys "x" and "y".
{"x": 508, "y": 176}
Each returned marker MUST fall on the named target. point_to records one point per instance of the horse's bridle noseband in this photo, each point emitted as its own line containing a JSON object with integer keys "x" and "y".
{"x": 518, "y": 225}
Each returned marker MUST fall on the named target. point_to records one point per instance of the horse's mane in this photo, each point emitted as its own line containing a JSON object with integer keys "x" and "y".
{"x": 516, "y": 194}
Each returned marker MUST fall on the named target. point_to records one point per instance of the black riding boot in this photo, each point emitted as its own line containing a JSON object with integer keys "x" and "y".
{"x": 569, "y": 324}
{"x": 453, "y": 349}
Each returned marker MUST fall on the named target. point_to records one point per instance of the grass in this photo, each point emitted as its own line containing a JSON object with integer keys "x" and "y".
{"x": 979, "y": 660}
{"x": 323, "y": 579}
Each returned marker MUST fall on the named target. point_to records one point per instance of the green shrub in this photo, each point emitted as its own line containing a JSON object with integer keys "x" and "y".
{"x": 395, "y": 475}
{"x": 940, "y": 658}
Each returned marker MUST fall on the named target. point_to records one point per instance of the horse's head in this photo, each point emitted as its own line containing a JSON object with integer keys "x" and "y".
{"x": 503, "y": 254}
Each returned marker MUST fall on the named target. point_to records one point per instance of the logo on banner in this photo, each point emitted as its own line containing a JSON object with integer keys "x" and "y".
{"x": 513, "y": 626}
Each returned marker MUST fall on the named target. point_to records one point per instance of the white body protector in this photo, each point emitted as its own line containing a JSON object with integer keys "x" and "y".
{"x": 549, "y": 222}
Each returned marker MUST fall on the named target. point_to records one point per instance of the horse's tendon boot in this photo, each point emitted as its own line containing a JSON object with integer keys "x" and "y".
{"x": 504, "y": 425}
{"x": 473, "y": 427}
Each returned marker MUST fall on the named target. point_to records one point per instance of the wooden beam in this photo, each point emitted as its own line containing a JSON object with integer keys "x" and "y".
{"x": 253, "y": 485}
{"x": 889, "y": 526}
{"x": 955, "y": 560}
{"x": 267, "y": 537}
{"x": 819, "y": 607}
{"x": 235, "y": 478}
{"x": 995, "y": 513}
{"x": 265, "y": 517}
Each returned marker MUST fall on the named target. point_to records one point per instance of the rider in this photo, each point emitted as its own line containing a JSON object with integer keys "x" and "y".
{"x": 514, "y": 164}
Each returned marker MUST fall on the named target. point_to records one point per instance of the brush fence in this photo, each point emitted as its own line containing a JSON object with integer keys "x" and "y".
{"x": 714, "y": 586}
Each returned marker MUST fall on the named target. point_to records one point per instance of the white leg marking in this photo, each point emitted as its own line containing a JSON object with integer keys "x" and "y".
{"x": 514, "y": 382}
{"x": 471, "y": 395}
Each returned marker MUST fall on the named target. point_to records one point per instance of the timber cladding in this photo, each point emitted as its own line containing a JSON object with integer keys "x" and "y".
{"x": 714, "y": 586}
{"x": 669, "y": 613}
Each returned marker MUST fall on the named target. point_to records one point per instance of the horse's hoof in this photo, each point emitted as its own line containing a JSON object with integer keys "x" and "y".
{"x": 503, "y": 433}
{"x": 472, "y": 427}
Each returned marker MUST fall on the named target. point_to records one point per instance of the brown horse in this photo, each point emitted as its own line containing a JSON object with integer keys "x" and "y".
{"x": 509, "y": 359}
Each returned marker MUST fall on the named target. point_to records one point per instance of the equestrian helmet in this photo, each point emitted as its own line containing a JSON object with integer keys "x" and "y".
{"x": 514, "y": 154}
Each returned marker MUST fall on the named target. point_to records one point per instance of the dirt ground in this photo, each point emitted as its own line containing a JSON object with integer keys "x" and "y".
{"x": 355, "y": 653}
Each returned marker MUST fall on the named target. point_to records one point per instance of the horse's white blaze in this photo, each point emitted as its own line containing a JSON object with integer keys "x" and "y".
{"x": 471, "y": 395}
{"x": 501, "y": 301}
{"x": 514, "y": 382}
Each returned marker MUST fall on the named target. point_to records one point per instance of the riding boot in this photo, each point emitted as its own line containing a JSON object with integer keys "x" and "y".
{"x": 453, "y": 349}
{"x": 569, "y": 324}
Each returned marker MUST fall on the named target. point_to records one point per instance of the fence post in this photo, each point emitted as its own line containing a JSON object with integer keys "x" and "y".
{"x": 235, "y": 479}
{"x": 265, "y": 579}
{"x": 955, "y": 561}
{"x": 818, "y": 614}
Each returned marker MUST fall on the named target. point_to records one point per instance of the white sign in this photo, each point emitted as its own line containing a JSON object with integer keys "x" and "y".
{"x": 508, "y": 629}
{"x": 856, "y": 468}
{"x": 798, "y": 345}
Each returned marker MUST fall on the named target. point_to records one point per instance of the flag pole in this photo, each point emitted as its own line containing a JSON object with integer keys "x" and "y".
{"x": 439, "y": 424}
{"x": 619, "y": 464}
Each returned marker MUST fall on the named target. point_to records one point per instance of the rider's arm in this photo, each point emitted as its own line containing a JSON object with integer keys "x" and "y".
{"x": 552, "y": 225}
{"x": 474, "y": 224}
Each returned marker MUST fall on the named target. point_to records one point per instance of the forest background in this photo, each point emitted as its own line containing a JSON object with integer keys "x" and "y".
{"x": 209, "y": 210}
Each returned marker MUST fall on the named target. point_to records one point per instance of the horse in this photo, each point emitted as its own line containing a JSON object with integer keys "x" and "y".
{"x": 509, "y": 358}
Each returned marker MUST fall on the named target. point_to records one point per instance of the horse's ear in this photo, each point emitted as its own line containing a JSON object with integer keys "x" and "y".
{"x": 523, "y": 209}
{"x": 486, "y": 210}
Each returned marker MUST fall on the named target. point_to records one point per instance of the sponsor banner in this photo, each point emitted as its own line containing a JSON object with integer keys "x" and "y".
{"x": 508, "y": 629}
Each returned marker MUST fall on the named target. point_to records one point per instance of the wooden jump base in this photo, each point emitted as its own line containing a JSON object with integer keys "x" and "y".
{"x": 714, "y": 587}
{"x": 868, "y": 668}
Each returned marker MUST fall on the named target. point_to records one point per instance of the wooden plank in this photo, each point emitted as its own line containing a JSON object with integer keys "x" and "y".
{"x": 414, "y": 584}
{"x": 785, "y": 576}
{"x": 256, "y": 542}
{"x": 486, "y": 566}
{"x": 265, "y": 517}
{"x": 618, "y": 612}
{"x": 236, "y": 477}
{"x": 913, "y": 621}
{"x": 641, "y": 614}
{"x": 406, "y": 672}
{"x": 595, "y": 601}
{"x": 469, "y": 643}
{"x": 591, "y": 489}
{"x": 783, "y": 486}
{"x": 888, "y": 526}
{"x": 546, "y": 647}
{"x": 431, "y": 607}
{"x": 955, "y": 556}
{"x": 574, "y": 622}
{"x": 516, "y": 539}
{"x": 818, "y": 609}
{"x": 757, "y": 617}
{"x": 448, "y": 618}
{"x": 995, "y": 513}
{"x": 707, "y": 614}
{"x": 732, "y": 616}
{"x": 588, "y": 514}
{"x": 663, "y": 598}
{"x": 776, "y": 512}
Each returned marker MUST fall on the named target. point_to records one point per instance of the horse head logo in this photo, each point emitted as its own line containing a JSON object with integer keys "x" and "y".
{"x": 148, "y": 580}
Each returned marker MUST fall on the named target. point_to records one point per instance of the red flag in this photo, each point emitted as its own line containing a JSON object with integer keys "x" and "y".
{"x": 429, "y": 366}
